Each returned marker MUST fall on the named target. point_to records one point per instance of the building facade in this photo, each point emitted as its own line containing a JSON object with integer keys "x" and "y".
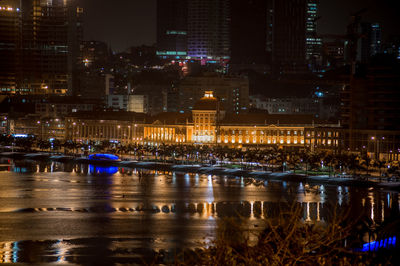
{"x": 371, "y": 43}
{"x": 248, "y": 36}
{"x": 51, "y": 36}
{"x": 286, "y": 40}
{"x": 232, "y": 91}
{"x": 193, "y": 29}
{"x": 172, "y": 28}
{"x": 313, "y": 42}
{"x": 287, "y": 105}
{"x": 208, "y": 30}
{"x": 10, "y": 45}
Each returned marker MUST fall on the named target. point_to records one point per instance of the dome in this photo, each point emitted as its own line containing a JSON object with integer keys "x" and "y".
{"x": 208, "y": 102}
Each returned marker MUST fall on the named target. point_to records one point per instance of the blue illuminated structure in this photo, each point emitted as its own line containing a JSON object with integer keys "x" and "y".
{"x": 103, "y": 157}
{"x": 375, "y": 245}
{"x": 102, "y": 170}
{"x": 20, "y": 135}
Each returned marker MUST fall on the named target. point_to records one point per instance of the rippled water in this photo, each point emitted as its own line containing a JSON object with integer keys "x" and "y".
{"x": 53, "y": 212}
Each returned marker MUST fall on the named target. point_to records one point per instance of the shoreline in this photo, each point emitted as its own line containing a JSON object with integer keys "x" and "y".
{"x": 211, "y": 170}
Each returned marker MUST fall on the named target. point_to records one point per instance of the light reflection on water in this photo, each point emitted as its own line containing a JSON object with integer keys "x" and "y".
{"x": 76, "y": 208}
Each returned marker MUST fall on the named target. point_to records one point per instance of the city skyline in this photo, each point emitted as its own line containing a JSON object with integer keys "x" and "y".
{"x": 139, "y": 18}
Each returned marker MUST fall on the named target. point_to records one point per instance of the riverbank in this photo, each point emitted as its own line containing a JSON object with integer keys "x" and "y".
{"x": 287, "y": 176}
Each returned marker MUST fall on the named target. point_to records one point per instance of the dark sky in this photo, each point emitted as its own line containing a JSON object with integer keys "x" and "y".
{"x": 125, "y": 23}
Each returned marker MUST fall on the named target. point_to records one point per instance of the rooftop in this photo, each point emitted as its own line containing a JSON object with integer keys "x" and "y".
{"x": 270, "y": 119}
{"x": 208, "y": 102}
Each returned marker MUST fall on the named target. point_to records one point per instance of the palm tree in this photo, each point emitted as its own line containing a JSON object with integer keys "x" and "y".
{"x": 366, "y": 162}
{"x": 294, "y": 160}
{"x": 352, "y": 163}
{"x": 328, "y": 159}
{"x": 380, "y": 164}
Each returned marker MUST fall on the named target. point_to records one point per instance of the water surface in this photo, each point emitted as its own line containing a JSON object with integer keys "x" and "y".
{"x": 64, "y": 213}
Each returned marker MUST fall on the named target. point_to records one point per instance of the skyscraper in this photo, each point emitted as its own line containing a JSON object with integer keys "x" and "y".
{"x": 248, "y": 32}
{"x": 172, "y": 28}
{"x": 10, "y": 41}
{"x": 313, "y": 42}
{"x": 208, "y": 29}
{"x": 51, "y": 35}
{"x": 286, "y": 39}
{"x": 370, "y": 42}
{"x": 195, "y": 29}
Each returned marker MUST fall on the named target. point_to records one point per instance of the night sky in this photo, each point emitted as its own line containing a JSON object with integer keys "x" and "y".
{"x": 125, "y": 23}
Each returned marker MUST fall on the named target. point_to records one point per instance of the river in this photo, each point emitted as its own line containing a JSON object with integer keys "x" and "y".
{"x": 79, "y": 214}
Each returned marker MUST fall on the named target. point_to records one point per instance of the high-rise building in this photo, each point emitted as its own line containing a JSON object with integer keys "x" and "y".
{"x": 370, "y": 41}
{"x": 51, "y": 35}
{"x": 195, "y": 29}
{"x": 372, "y": 99}
{"x": 172, "y": 28}
{"x": 95, "y": 54}
{"x": 10, "y": 41}
{"x": 313, "y": 42}
{"x": 248, "y": 32}
{"x": 208, "y": 29}
{"x": 286, "y": 39}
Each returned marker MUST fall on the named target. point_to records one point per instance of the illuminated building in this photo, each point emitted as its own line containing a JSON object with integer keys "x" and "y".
{"x": 207, "y": 113}
{"x": 10, "y": 36}
{"x": 51, "y": 35}
{"x": 292, "y": 105}
{"x": 193, "y": 29}
{"x": 168, "y": 128}
{"x": 313, "y": 42}
{"x": 138, "y": 103}
{"x": 370, "y": 44}
{"x": 124, "y": 127}
{"x": 94, "y": 54}
{"x": 208, "y": 30}
{"x": 130, "y": 103}
{"x": 172, "y": 28}
{"x": 210, "y": 124}
{"x": 333, "y": 53}
{"x": 43, "y": 128}
{"x": 3, "y": 123}
{"x": 59, "y": 107}
{"x": 232, "y": 91}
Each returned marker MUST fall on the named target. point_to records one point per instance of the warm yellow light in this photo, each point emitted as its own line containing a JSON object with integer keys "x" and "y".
{"x": 209, "y": 94}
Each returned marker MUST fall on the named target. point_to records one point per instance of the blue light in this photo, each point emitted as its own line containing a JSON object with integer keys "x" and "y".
{"x": 20, "y": 135}
{"x": 101, "y": 170}
{"x": 375, "y": 245}
{"x": 103, "y": 157}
